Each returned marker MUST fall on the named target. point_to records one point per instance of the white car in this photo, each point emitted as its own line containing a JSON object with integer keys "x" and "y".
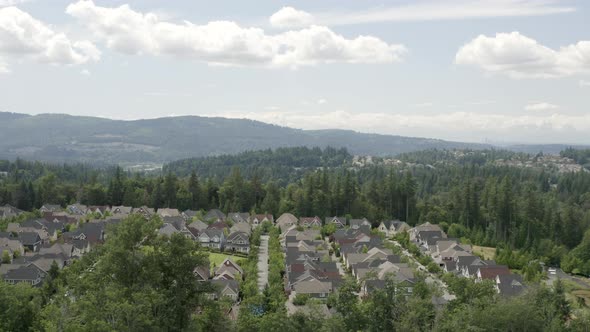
{"x": 552, "y": 270}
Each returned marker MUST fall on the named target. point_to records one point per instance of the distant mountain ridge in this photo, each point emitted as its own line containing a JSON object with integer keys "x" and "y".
{"x": 67, "y": 138}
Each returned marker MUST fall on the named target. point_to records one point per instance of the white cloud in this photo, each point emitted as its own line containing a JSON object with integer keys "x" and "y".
{"x": 445, "y": 10}
{"x": 519, "y": 56}
{"x": 322, "y": 101}
{"x": 85, "y": 72}
{"x": 289, "y": 18}
{"x": 226, "y": 43}
{"x": 7, "y": 3}
{"x": 539, "y": 107}
{"x": 456, "y": 125}
{"x": 584, "y": 83}
{"x": 21, "y": 35}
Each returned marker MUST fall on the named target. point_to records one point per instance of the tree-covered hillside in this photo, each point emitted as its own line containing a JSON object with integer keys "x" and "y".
{"x": 59, "y": 138}
{"x": 541, "y": 212}
{"x": 283, "y": 164}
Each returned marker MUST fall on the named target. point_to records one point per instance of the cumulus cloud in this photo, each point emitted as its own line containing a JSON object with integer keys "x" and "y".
{"x": 538, "y": 107}
{"x": 226, "y": 43}
{"x": 445, "y": 10}
{"x": 455, "y": 125}
{"x": 21, "y": 35}
{"x": 289, "y": 17}
{"x": 519, "y": 56}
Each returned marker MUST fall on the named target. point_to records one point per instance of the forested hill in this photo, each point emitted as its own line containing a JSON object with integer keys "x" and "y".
{"x": 283, "y": 164}
{"x": 60, "y": 138}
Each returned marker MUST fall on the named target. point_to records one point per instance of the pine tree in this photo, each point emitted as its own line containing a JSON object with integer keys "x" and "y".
{"x": 194, "y": 189}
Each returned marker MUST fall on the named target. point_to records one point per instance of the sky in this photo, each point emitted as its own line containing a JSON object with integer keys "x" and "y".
{"x": 501, "y": 71}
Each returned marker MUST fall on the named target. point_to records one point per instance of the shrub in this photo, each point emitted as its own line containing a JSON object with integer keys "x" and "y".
{"x": 301, "y": 299}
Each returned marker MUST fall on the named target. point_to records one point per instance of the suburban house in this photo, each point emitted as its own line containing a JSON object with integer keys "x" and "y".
{"x": 198, "y": 225}
{"x": 239, "y": 217}
{"x": 8, "y": 211}
{"x": 220, "y": 225}
{"x": 225, "y": 288}
{"x": 31, "y": 241}
{"x": 99, "y": 210}
{"x": 314, "y": 288}
{"x": 212, "y": 238}
{"x": 145, "y": 211}
{"x": 93, "y": 232}
{"x": 238, "y": 242}
{"x": 202, "y": 273}
{"x": 77, "y": 209}
{"x": 392, "y": 227}
{"x": 285, "y": 221}
{"x": 188, "y": 214}
{"x": 121, "y": 210}
{"x": 12, "y": 246}
{"x": 168, "y": 230}
{"x": 310, "y": 222}
{"x": 50, "y": 208}
{"x": 228, "y": 269}
{"x": 258, "y": 219}
{"x": 166, "y": 212}
{"x": 30, "y": 274}
{"x": 241, "y": 227}
{"x": 490, "y": 272}
{"x": 509, "y": 284}
{"x": 214, "y": 215}
{"x": 357, "y": 223}
{"x": 339, "y": 222}
{"x": 53, "y": 229}
{"x": 424, "y": 227}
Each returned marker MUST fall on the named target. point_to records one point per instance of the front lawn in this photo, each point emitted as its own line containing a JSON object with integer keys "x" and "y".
{"x": 217, "y": 258}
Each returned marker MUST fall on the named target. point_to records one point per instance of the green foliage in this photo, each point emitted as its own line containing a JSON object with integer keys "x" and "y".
{"x": 285, "y": 164}
{"x": 19, "y": 307}
{"x": 6, "y": 257}
{"x": 301, "y": 299}
{"x": 136, "y": 281}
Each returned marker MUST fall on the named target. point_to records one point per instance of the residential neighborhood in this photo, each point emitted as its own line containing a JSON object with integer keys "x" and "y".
{"x": 315, "y": 265}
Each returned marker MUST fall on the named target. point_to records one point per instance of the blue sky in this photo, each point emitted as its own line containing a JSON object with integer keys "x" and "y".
{"x": 501, "y": 71}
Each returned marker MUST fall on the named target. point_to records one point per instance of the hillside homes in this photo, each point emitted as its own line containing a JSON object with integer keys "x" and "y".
{"x": 457, "y": 258}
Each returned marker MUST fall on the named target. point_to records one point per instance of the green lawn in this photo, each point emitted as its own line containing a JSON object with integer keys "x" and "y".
{"x": 486, "y": 252}
{"x": 217, "y": 258}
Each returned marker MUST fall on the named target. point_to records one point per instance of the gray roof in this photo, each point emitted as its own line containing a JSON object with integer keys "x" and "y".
{"x": 211, "y": 232}
{"x": 43, "y": 224}
{"x": 341, "y": 220}
{"x": 237, "y": 236}
{"x": 29, "y": 238}
{"x": 168, "y": 229}
{"x": 510, "y": 284}
{"x": 221, "y": 284}
{"x": 215, "y": 214}
{"x": 189, "y": 213}
{"x": 177, "y": 221}
{"x": 198, "y": 225}
{"x": 26, "y": 273}
{"x": 239, "y": 217}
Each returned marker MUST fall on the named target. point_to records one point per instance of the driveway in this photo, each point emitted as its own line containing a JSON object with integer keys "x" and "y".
{"x": 431, "y": 278}
{"x": 263, "y": 262}
{"x": 564, "y": 276}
